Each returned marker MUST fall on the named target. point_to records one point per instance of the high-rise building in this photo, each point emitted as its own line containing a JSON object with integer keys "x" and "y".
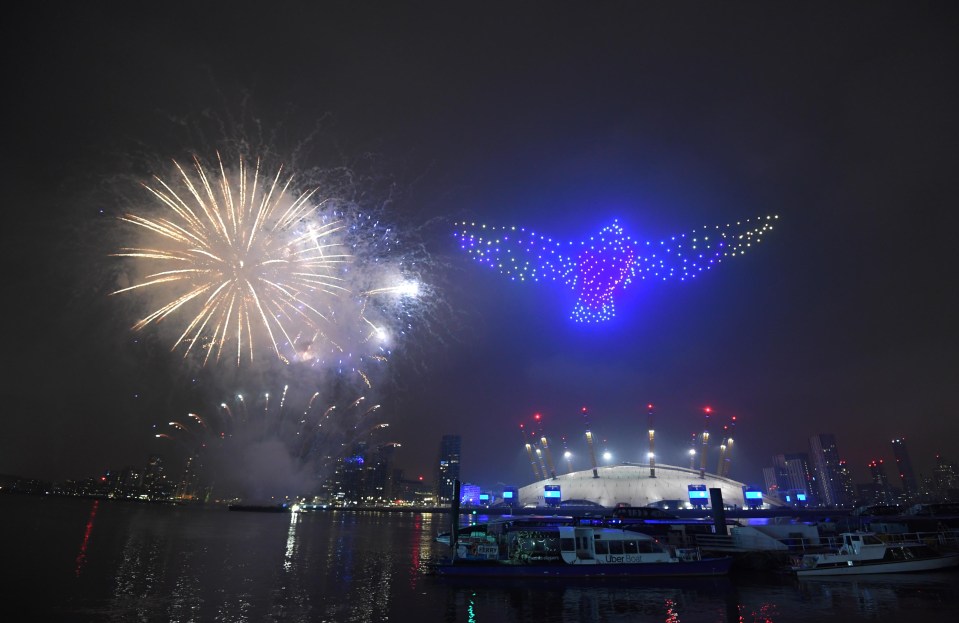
{"x": 945, "y": 479}
{"x": 380, "y": 473}
{"x": 881, "y": 493}
{"x": 825, "y": 470}
{"x": 846, "y": 485}
{"x": 155, "y": 483}
{"x": 349, "y": 482}
{"x": 447, "y": 468}
{"x": 907, "y": 477}
{"x": 795, "y": 471}
{"x": 790, "y": 477}
{"x": 187, "y": 489}
{"x": 772, "y": 482}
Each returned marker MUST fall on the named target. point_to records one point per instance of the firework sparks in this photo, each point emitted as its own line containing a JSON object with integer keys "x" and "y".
{"x": 249, "y": 261}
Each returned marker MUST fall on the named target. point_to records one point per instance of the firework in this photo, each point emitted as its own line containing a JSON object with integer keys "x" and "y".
{"x": 291, "y": 445}
{"x": 242, "y": 263}
{"x": 597, "y": 268}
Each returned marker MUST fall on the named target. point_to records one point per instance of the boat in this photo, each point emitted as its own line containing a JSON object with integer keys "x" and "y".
{"x": 475, "y": 530}
{"x": 517, "y": 549}
{"x": 863, "y": 553}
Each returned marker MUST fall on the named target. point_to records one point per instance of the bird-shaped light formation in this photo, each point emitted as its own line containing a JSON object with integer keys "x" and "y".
{"x": 602, "y": 265}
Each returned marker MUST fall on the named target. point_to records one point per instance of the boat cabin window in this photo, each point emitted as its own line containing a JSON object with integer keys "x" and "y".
{"x": 647, "y": 547}
{"x": 602, "y": 547}
{"x": 630, "y": 547}
{"x": 567, "y": 544}
{"x": 616, "y": 547}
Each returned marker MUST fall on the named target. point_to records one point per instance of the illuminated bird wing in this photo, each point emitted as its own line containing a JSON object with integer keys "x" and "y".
{"x": 603, "y": 265}
{"x": 518, "y": 253}
{"x": 687, "y": 256}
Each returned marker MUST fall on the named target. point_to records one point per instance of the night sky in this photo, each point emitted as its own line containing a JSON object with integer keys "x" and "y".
{"x": 557, "y": 116}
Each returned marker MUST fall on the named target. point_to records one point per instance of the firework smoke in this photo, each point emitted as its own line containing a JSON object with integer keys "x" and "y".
{"x": 270, "y": 445}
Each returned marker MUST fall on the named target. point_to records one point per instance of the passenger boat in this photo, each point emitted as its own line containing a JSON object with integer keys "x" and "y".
{"x": 474, "y": 530}
{"x": 517, "y": 549}
{"x": 865, "y": 553}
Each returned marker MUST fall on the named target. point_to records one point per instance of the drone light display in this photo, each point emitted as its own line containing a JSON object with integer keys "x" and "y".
{"x": 602, "y": 265}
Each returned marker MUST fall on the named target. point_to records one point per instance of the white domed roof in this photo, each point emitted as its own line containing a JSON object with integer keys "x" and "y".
{"x": 631, "y": 484}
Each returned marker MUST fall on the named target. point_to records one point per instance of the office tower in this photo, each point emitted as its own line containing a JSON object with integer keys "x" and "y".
{"x": 772, "y": 482}
{"x": 945, "y": 478}
{"x": 793, "y": 471}
{"x": 880, "y": 483}
{"x": 825, "y": 470}
{"x": 447, "y": 468}
{"x": 380, "y": 477}
{"x": 154, "y": 479}
{"x": 187, "y": 488}
{"x": 907, "y": 477}
{"x": 846, "y": 485}
{"x": 350, "y": 475}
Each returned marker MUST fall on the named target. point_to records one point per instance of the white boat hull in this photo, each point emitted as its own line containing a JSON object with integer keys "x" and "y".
{"x": 869, "y": 568}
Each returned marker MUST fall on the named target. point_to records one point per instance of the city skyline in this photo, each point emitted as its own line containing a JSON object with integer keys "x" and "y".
{"x": 559, "y": 119}
{"x": 190, "y": 479}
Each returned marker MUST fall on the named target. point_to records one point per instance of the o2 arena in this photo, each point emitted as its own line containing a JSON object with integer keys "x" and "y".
{"x": 636, "y": 484}
{"x": 633, "y": 485}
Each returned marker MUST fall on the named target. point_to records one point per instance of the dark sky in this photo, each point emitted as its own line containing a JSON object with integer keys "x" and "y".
{"x": 838, "y": 117}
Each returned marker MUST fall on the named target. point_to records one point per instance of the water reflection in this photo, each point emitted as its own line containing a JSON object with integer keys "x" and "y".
{"x": 142, "y": 563}
{"x": 873, "y": 596}
{"x": 82, "y": 556}
{"x": 421, "y": 547}
{"x": 559, "y": 601}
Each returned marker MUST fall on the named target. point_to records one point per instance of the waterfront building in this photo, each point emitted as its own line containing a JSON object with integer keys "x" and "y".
{"x": 881, "y": 493}
{"x": 795, "y": 472}
{"x": 907, "y": 477}
{"x": 156, "y": 485}
{"x": 632, "y": 485}
{"x": 945, "y": 480}
{"x": 187, "y": 489}
{"x": 129, "y": 483}
{"x": 825, "y": 464}
{"x": 378, "y": 484}
{"x": 790, "y": 473}
{"x": 447, "y": 468}
{"x": 769, "y": 477}
{"x": 469, "y": 494}
{"x": 846, "y": 485}
{"x": 346, "y": 485}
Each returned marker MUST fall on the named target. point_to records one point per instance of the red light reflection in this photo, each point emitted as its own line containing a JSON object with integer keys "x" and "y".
{"x": 82, "y": 556}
